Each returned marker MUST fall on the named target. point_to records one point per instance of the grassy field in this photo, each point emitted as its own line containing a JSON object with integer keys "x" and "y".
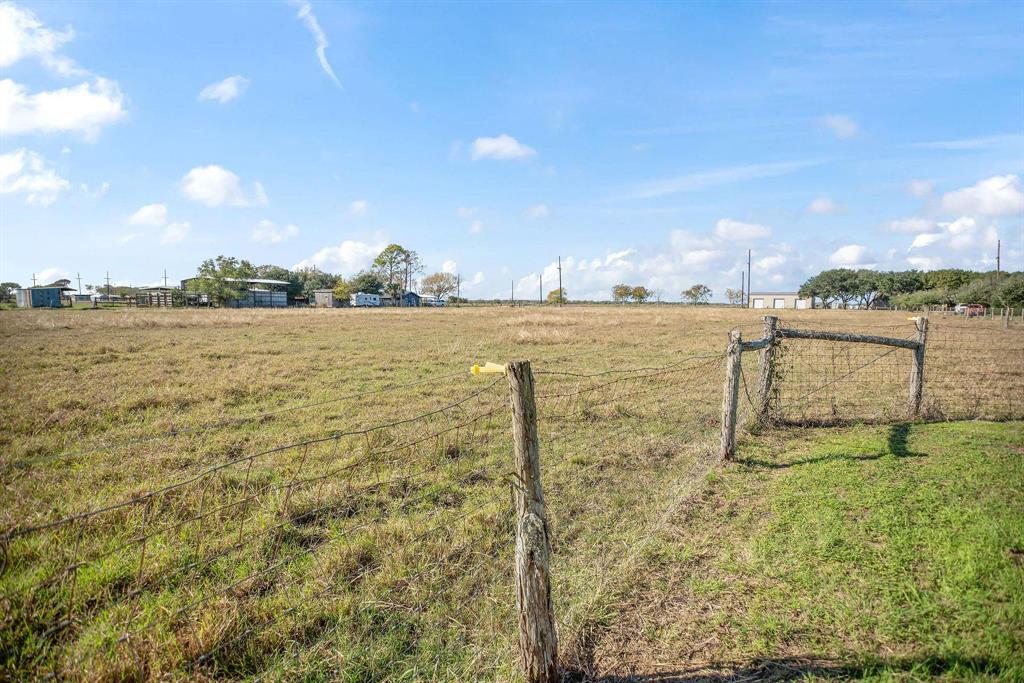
{"x": 340, "y": 499}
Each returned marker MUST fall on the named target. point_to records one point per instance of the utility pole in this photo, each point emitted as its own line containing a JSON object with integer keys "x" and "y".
{"x": 743, "y": 288}
{"x": 108, "y": 285}
{"x": 999, "y": 249}
{"x": 458, "y": 287}
{"x": 513, "y": 293}
{"x": 78, "y": 276}
{"x": 559, "y": 280}
{"x": 165, "y": 278}
{"x": 541, "y": 300}
{"x": 749, "y": 284}
{"x": 33, "y": 279}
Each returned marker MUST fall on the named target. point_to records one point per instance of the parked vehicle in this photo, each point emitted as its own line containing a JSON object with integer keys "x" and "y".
{"x": 365, "y": 300}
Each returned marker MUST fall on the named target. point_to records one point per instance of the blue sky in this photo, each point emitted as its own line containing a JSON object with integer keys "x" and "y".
{"x": 644, "y": 143}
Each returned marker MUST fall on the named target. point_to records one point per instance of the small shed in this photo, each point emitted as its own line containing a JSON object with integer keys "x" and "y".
{"x": 324, "y": 298}
{"x": 39, "y": 297}
{"x": 779, "y": 300}
{"x": 411, "y": 299}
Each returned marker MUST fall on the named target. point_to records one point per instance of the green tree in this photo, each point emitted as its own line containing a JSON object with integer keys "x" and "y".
{"x": 311, "y": 279}
{"x": 439, "y": 285}
{"x": 366, "y": 282}
{"x": 216, "y": 278}
{"x": 948, "y": 278}
{"x": 621, "y": 293}
{"x": 640, "y": 294}
{"x": 7, "y": 290}
{"x": 698, "y": 294}
{"x": 977, "y": 291}
{"x": 556, "y": 296}
{"x": 343, "y": 289}
{"x": 1011, "y": 291}
{"x": 391, "y": 268}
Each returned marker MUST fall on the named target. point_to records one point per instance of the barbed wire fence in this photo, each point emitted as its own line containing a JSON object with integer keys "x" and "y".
{"x": 409, "y": 540}
{"x": 187, "y": 575}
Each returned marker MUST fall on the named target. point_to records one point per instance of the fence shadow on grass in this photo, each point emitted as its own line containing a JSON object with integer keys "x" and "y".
{"x": 896, "y": 442}
{"x": 800, "y": 668}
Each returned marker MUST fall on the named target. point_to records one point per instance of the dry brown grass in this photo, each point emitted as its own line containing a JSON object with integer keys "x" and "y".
{"x": 618, "y": 454}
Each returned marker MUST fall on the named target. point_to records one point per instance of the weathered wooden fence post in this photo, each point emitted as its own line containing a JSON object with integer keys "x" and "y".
{"x": 538, "y": 641}
{"x": 766, "y": 371}
{"x": 731, "y": 393}
{"x": 917, "y": 367}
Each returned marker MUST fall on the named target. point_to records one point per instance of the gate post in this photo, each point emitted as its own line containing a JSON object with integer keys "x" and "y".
{"x": 538, "y": 641}
{"x": 731, "y": 394}
{"x": 917, "y": 368}
{"x": 766, "y": 371}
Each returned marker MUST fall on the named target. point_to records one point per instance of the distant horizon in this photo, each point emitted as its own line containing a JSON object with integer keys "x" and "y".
{"x": 648, "y": 143}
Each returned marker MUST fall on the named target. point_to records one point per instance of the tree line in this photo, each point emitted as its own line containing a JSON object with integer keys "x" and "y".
{"x": 393, "y": 272}
{"x": 865, "y": 288}
{"x": 623, "y": 293}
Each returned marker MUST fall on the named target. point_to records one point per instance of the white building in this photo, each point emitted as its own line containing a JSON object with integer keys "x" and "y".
{"x": 779, "y": 300}
{"x": 362, "y": 299}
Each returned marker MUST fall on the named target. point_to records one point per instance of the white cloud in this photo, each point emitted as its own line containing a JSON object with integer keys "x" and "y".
{"x": 995, "y": 196}
{"x": 129, "y": 237}
{"x": 309, "y": 19}
{"x": 359, "y": 207}
{"x": 502, "y": 147}
{"x": 153, "y": 215}
{"x": 769, "y": 263}
{"x": 216, "y": 186}
{"x": 176, "y": 232}
{"x": 824, "y": 205}
{"x": 728, "y": 229}
{"x": 841, "y": 125}
{"x": 268, "y": 232}
{"x": 925, "y": 239}
{"x": 51, "y": 274}
{"x": 347, "y": 258}
{"x": 224, "y": 91}
{"x": 925, "y": 262}
{"x": 83, "y": 109}
{"x": 850, "y": 255}
{"x": 538, "y": 211}
{"x": 23, "y": 35}
{"x": 913, "y": 224}
{"x": 466, "y": 211}
{"x": 25, "y": 172}
{"x": 693, "y": 182}
{"x": 476, "y": 227}
{"x": 920, "y": 188}
{"x": 98, "y": 192}
{"x": 450, "y": 267}
{"x": 477, "y": 278}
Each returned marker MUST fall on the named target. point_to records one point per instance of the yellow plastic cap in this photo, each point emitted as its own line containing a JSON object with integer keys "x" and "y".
{"x": 487, "y": 368}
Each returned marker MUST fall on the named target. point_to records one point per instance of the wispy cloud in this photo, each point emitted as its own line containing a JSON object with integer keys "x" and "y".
{"x": 841, "y": 125}
{"x": 224, "y": 91}
{"x": 309, "y": 19}
{"x": 693, "y": 182}
{"x": 985, "y": 142}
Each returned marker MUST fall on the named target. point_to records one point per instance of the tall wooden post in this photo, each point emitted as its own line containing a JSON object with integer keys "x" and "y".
{"x": 731, "y": 393}
{"x": 538, "y": 641}
{"x": 766, "y": 371}
{"x": 917, "y": 368}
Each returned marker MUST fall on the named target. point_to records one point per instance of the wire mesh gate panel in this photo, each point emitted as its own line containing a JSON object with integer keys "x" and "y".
{"x": 824, "y": 382}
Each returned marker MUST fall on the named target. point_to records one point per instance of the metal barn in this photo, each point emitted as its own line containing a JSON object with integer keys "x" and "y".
{"x": 39, "y": 297}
